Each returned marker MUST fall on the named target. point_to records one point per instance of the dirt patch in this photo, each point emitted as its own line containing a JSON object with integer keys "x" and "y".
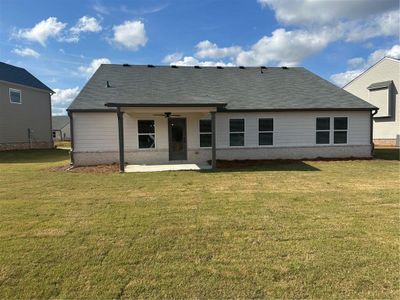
{"x": 114, "y": 168}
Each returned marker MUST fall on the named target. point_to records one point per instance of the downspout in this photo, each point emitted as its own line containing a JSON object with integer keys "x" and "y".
{"x": 371, "y": 128}
{"x": 71, "y": 128}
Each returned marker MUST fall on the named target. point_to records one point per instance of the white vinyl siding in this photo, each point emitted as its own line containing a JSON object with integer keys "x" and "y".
{"x": 99, "y": 131}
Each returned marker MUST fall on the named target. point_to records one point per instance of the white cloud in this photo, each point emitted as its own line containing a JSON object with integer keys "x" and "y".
{"x": 355, "y": 62}
{"x": 62, "y": 99}
{"x": 285, "y": 47}
{"x": 192, "y": 61}
{"x": 170, "y": 58}
{"x": 343, "y": 78}
{"x": 340, "y": 79}
{"x": 94, "y": 65}
{"x": 26, "y": 52}
{"x": 206, "y": 49}
{"x": 302, "y": 12}
{"x": 42, "y": 31}
{"x": 86, "y": 24}
{"x": 130, "y": 34}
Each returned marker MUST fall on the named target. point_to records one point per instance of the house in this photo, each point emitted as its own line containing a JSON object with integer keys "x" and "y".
{"x": 61, "y": 128}
{"x": 139, "y": 114}
{"x": 379, "y": 85}
{"x": 25, "y": 110}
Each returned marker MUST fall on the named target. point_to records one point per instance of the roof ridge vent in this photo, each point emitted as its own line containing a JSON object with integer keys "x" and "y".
{"x": 150, "y": 66}
{"x": 174, "y": 66}
{"x": 220, "y": 67}
{"x": 126, "y": 65}
{"x": 285, "y": 68}
{"x": 197, "y": 67}
{"x": 242, "y": 67}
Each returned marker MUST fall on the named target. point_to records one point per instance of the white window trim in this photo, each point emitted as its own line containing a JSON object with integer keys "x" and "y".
{"x": 200, "y": 133}
{"x": 331, "y": 131}
{"x": 139, "y": 134}
{"x": 244, "y": 132}
{"x": 341, "y": 130}
{"x": 260, "y": 131}
{"x": 20, "y": 95}
{"x": 323, "y": 130}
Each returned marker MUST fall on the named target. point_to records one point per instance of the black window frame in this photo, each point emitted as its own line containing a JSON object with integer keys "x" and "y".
{"x": 236, "y": 132}
{"x": 322, "y": 132}
{"x": 340, "y": 131}
{"x": 149, "y": 134}
{"x": 203, "y": 134}
{"x": 264, "y": 132}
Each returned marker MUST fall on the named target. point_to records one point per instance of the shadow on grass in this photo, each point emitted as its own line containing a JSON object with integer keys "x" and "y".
{"x": 265, "y": 166}
{"x": 33, "y": 156}
{"x": 387, "y": 154}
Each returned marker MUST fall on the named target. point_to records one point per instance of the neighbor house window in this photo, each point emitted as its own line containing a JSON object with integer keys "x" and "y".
{"x": 265, "y": 132}
{"x": 15, "y": 96}
{"x": 146, "y": 134}
{"x": 323, "y": 130}
{"x": 340, "y": 130}
{"x": 236, "y": 132}
{"x": 205, "y": 133}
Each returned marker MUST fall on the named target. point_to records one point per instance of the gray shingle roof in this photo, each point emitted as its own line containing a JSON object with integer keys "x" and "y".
{"x": 240, "y": 89}
{"x": 59, "y": 122}
{"x": 19, "y": 75}
{"x": 380, "y": 85}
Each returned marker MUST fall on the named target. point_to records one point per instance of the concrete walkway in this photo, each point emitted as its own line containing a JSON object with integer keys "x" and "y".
{"x": 169, "y": 167}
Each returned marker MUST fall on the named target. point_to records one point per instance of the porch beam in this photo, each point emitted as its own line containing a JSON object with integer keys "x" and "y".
{"x": 213, "y": 142}
{"x": 120, "y": 116}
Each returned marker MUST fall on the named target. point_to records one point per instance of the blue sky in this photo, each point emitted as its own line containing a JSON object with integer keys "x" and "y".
{"x": 63, "y": 42}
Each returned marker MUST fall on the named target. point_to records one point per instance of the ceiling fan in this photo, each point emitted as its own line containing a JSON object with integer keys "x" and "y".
{"x": 166, "y": 115}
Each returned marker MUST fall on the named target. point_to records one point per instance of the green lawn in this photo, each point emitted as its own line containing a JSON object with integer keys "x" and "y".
{"x": 293, "y": 230}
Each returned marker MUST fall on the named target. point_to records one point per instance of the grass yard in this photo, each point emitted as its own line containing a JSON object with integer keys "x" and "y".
{"x": 292, "y": 230}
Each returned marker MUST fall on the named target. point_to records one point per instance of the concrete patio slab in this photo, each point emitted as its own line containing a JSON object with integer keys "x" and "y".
{"x": 168, "y": 167}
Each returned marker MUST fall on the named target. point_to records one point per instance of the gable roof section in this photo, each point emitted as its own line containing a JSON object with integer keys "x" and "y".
{"x": 21, "y": 76}
{"x": 250, "y": 88}
{"x": 371, "y": 67}
{"x": 59, "y": 122}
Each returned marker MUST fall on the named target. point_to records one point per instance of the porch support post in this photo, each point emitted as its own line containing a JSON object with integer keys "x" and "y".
{"x": 71, "y": 128}
{"x": 120, "y": 115}
{"x": 213, "y": 142}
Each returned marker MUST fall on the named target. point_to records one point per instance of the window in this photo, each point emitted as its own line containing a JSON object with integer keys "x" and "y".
{"x": 15, "y": 96}
{"x": 205, "y": 133}
{"x": 146, "y": 134}
{"x": 323, "y": 130}
{"x": 236, "y": 132}
{"x": 265, "y": 132}
{"x": 340, "y": 130}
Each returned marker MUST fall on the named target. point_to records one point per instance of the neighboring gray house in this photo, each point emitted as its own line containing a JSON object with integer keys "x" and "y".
{"x": 379, "y": 85}
{"x": 25, "y": 110}
{"x": 61, "y": 128}
{"x": 162, "y": 114}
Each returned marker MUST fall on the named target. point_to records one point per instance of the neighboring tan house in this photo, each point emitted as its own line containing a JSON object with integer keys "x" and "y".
{"x": 61, "y": 128}
{"x": 379, "y": 85}
{"x": 25, "y": 110}
{"x": 163, "y": 114}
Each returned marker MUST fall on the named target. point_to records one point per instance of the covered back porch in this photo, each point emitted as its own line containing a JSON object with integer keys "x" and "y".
{"x": 166, "y": 137}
